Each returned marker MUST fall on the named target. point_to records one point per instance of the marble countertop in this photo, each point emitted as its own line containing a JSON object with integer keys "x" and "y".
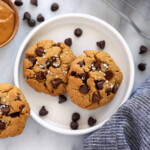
{"x": 36, "y": 137}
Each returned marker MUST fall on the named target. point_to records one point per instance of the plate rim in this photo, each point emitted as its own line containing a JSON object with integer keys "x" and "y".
{"x": 92, "y": 18}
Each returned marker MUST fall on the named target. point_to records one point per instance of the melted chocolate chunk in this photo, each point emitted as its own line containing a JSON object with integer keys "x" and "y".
{"x": 115, "y": 88}
{"x": 55, "y": 83}
{"x": 40, "y": 76}
{"x": 5, "y": 110}
{"x": 81, "y": 63}
{"x": 109, "y": 75}
{"x": 33, "y": 60}
{"x": 21, "y": 107}
{"x": 97, "y": 65}
{"x": 84, "y": 89}
{"x": 108, "y": 91}
{"x": 15, "y": 114}
{"x": 73, "y": 73}
{"x": 18, "y": 98}
{"x": 2, "y": 125}
{"x": 99, "y": 84}
{"x": 96, "y": 98}
{"x": 39, "y": 52}
{"x": 83, "y": 76}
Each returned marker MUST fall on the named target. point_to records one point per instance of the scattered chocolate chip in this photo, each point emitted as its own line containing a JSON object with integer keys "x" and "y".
{"x": 97, "y": 65}
{"x": 56, "y": 82}
{"x": 101, "y": 44}
{"x": 62, "y": 99}
{"x": 2, "y": 125}
{"x": 52, "y": 62}
{"x": 68, "y": 41}
{"x": 84, "y": 89}
{"x": 5, "y": 110}
{"x": 26, "y": 16}
{"x": 34, "y": 2}
{"x": 21, "y": 107}
{"x": 109, "y": 75}
{"x": 75, "y": 117}
{"x": 18, "y": 2}
{"x": 39, "y": 52}
{"x": 73, "y": 73}
{"x": 33, "y": 60}
{"x": 40, "y": 18}
{"x": 31, "y": 22}
{"x": 91, "y": 121}
{"x": 142, "y": 66}
{"x": 54, "y": 7}
{"x": 14, "y": 115}
{"x": 74, "y": 125}
{"x": 68, "y": 68}
{"x": 108, "y": 91}
{"x": 143, "y": 49}
{"x": 18, "y": 98}
{"x": 78, "y": 32}
{"x": 115, "y": 88}
{"x": 99, "y": 84}
{"x": 95, "y": 98}
{"x": 43, "y": 111}
{"x": 81, "y": 63}
{"x": 84, "y": 76}
{"x": 40, "y": 76}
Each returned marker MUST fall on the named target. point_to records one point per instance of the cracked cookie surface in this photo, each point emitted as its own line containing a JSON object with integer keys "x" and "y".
{"x": 14, "y": 111}
{"x": 46, "y": 67}
{"x": 93, "y": 79}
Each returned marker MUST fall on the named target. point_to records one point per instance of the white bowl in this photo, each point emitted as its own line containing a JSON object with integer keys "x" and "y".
{"x": 94, "y": 30}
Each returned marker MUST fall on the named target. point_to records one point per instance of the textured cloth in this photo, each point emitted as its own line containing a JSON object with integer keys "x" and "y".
{"x": 128, "y": 128}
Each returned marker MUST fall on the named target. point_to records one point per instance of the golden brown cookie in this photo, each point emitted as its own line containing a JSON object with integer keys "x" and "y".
{"x": 93, "y": 79}
{"x": 14, "y": 110}
{"x": 46, "y": 67}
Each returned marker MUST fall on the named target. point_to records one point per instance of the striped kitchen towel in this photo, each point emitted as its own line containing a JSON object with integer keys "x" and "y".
{"x": 128, "y": 128}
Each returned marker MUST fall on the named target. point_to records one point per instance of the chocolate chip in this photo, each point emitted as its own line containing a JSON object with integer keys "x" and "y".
{"x": 84, "y": 89}
{"x": 68, "y": 41}
{"x": 40, "y": 75}
{"x": 78, "y": 32}
{"x": 68, "y": 68}
{"x": 143, "y": 49}
{"x": 21, "y": 107}
{"x": 109, "y": 75}
{"x": 75, "y": 117}
{"x": 62, "y": 99}
{"x": 91, "y": 121}
{"x": 54, "y": 7}
{"x": 52, "y": 62}
{"x": 26, "y": 16}
{"x": 2, "y": 125}
{"x": 74, "y": 125}
{"x": 31, "y": 22}
{"x": 108, "y": 91}
{"x": 142, "y": 66}
{"x": 39, "y": 52}
{"x": 33, "y": 60}
{"x": 101, "y": 44}
{"x": 40, "y": 18}
{"x": 99, "y": 84}
{"x": 15, "y": 114}
{"x": 43, "y": 111}
{"x": 56, "y": 82}
{"x": 5, "y": 110}
{"x": 95, "y": 98}
{"x": 81, "y": 63}
{"x": 84, "y": 76}
{"x": 97, "y": 65}
{"x": 0, "y": 100}
{"x": 34, "y": 2}
{"x": 115, "y": 88}
{"x": 18, "y": 2}
{"x": 18, "y": 98}
{"x": 73, "y": 73}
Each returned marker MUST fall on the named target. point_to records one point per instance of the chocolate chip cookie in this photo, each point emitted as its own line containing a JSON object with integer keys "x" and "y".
{"x": 14, "y": 111}
{"x": 46, "y": 67}
{"x": 93, "y": 79}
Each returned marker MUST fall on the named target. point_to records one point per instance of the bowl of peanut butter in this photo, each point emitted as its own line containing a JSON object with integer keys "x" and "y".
{"x": 9, "y": 21}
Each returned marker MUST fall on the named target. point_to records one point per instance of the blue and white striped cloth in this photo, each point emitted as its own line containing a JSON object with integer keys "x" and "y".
{"x": 128, "y": 128}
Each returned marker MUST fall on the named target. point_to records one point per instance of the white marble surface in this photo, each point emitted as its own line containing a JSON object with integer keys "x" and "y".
{"x": 36, "y": 137}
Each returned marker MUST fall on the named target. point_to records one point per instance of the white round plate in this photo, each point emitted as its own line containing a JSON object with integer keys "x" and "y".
{"x": 58, "y": 29}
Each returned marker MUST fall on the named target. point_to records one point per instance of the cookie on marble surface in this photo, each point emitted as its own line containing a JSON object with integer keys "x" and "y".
{"x": 46, "y": 67}
{"x": 14, "y": 111}
{"x": 93, "y": 79}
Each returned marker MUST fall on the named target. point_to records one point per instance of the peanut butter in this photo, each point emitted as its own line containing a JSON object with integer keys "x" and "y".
{"x": 7, "y": 22}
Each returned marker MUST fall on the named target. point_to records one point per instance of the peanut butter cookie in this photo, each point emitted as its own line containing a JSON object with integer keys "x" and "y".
{"x": 93, "y": 79}
{"x": 46, "y": 67}
{"x": 14, "y": 110}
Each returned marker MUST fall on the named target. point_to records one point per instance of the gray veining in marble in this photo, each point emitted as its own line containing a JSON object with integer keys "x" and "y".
{"x": 36, "y": 137}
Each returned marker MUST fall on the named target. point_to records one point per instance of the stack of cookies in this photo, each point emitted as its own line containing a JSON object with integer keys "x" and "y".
{"x": 90, "y": 81}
